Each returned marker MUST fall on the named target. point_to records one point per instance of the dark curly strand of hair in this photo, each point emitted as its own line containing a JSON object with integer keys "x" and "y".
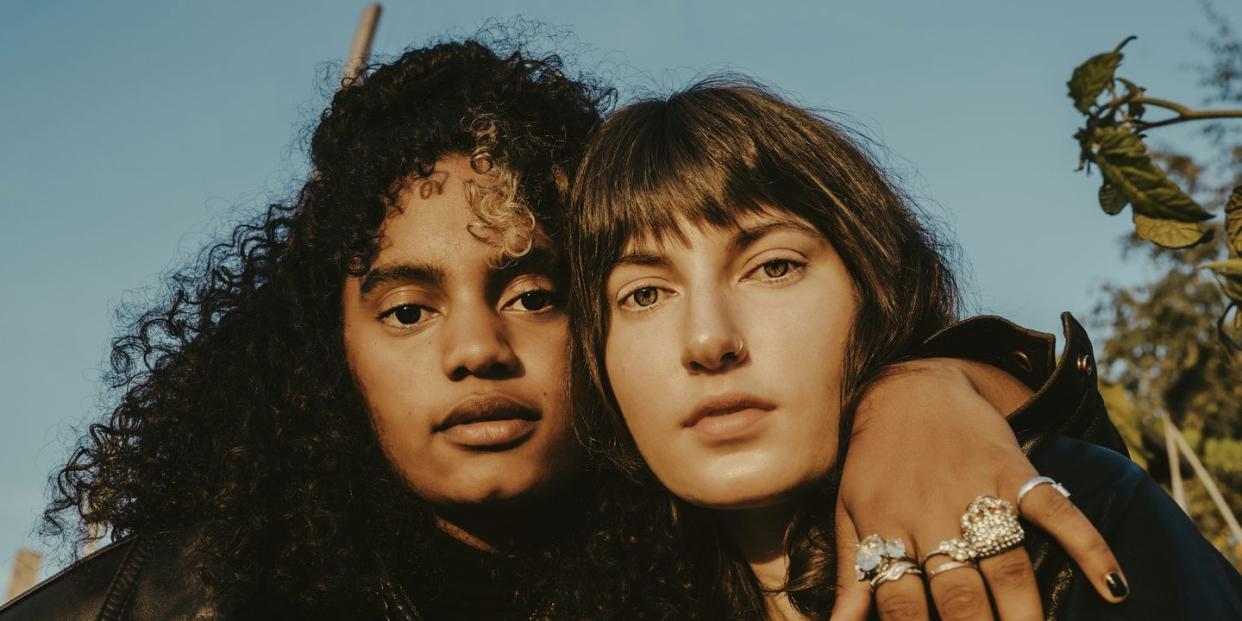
{"x": 238, "y": 419}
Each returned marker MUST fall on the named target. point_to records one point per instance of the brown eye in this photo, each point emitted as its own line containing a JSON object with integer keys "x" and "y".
{"x": 646, "y": 296}
{"x": 408, "y": 314}
{"x": 776, "y": 269}
{"x": 535, "y": 300}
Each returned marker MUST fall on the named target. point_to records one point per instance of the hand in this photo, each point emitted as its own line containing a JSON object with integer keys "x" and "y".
{"x": 925, "y": 444}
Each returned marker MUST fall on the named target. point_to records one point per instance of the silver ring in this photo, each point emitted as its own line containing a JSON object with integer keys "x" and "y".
{"x": 1036, "y": 482}
{"x": 948, "y": 566}
{"x": 739, "y": 347}
{"x": 894, "y": 570}
{"x": 955, "y": 548}
{"x": 876, "y": 555}
{"x": 990, "y": 526}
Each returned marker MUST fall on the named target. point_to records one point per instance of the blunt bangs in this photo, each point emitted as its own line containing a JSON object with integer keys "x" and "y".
{"x": 667, "y": 165}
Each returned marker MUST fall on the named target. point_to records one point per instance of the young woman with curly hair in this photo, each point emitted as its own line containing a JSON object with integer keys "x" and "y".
{"x": 749, "y": 289}
{"x": 240, "y": 469}
{"x": 356, "y": 407}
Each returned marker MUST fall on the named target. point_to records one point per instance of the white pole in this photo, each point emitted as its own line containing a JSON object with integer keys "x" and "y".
{"x": 360, "y": 50}
{"x": 1175, "y": 465}
{"x": 1212, "y": 490}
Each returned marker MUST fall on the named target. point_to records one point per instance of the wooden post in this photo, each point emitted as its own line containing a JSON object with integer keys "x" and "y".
{"x": 25, "y": 571}
{"x": 1175, "y": 464}
{"x": 360, "y": 50}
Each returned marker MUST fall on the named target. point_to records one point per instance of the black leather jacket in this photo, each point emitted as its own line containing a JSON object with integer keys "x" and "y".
{"x": 1172, "y": 571}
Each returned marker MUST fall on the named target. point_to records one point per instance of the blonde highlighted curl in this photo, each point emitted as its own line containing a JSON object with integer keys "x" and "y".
{"x": 504, "y": 219}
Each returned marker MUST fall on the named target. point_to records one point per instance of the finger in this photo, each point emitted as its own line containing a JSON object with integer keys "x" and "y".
{"x": 1056, "y": 515}
{"x": 959, "y": 593}
{"x": 902, "y": 599}
{"x": 853, "y": 596}
{"x": 1011, "y": 579}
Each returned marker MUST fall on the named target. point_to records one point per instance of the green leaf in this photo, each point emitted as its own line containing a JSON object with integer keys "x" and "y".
{"x": 1091, "y": 78}
{"x": 1229, "y": 273}
{"x": 1124, "y": 162}
{"x": 1233, "y": 221}
{"x": 1170, "y": 233}
{"x": 1111, "y": 200}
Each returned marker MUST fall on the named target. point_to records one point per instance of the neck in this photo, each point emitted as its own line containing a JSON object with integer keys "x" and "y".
{"x": 507, "y": 526}
{"x": 759, "y": 534}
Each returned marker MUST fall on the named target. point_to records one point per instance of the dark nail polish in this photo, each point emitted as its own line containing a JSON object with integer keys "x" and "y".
{"x": 1116, "y": 585}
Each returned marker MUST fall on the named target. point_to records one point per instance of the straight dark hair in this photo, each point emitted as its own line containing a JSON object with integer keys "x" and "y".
{"x": 705, "y": 157}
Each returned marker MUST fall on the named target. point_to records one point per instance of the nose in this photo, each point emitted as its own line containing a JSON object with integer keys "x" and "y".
{"x": 476, "y": 344}
{"x": 713, "y": 341}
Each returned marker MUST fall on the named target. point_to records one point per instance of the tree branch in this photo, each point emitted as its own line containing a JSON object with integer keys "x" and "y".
{"x": 1184, "y": 113}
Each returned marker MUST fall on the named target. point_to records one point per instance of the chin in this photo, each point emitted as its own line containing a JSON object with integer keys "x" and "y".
{"x": 743, "y": 498}
{"x": 748, "y": 489}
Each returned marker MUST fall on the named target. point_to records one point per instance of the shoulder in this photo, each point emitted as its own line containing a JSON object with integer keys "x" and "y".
{"x": 1173, "y": 572}
{"x": 77, "y": 592}
{"x": 1066, "y": 398}
{"x": 140, "y": 577}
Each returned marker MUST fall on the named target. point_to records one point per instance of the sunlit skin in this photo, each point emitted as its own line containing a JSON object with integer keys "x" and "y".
{"x": 441, "y": 325}
{"x": 762, "y": 313}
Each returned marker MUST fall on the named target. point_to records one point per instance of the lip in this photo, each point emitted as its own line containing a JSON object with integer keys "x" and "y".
{"x": 727, "y": 415}
{"x": 489, "y": 422}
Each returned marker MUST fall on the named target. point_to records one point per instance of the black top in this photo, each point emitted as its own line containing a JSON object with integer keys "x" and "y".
{"x": 468, "y": 584}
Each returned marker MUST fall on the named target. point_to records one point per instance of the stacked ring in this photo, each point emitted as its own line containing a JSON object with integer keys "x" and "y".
{"x": 881, "y": 560}
{"x": 947, "y": 566}
{"x": 955, "y": 548}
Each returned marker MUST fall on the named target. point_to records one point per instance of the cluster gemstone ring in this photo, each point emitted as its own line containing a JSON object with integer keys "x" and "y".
{"x": 990, "y": 526}
{"x": 881, "y": 560}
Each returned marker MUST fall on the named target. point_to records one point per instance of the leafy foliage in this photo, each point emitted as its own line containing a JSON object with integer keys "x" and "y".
{"x": 1168, "y": 351}
{"x": 1164, "y": 213}
{"x": 1123, "y": 161}
{"x": 1092, "y": 77}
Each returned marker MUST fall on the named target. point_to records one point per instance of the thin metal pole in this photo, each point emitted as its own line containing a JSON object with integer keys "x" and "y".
{"x": 360, "y": 50}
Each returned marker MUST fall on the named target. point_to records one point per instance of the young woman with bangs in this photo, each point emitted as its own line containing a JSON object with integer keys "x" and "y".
{"x": 750, "y": 290}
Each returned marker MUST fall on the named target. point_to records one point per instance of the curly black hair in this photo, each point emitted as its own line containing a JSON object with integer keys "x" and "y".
{"x": 237, "y": 417}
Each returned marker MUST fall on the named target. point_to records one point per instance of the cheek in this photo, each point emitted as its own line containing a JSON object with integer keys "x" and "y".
{"x": 643, "y": 368}
{"x": 387, "y": 373}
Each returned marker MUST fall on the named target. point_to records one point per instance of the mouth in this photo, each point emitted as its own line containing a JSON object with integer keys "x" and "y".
{"x": 491, "y": 423}
{"x": 727, "y": 416}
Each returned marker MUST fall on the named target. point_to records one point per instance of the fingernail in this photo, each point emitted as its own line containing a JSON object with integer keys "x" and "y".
{"x": 1116, "y": 584}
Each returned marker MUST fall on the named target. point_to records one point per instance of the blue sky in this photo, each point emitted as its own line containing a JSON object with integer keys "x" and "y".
{"x": 131, "y": 133}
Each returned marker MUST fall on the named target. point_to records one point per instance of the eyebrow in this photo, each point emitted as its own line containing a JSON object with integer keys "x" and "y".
{"x": 649, "y": 259}
{"x": 417, "y": 273}
{"x": 744, "y": 237}
{"x": 538, "y": 259}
